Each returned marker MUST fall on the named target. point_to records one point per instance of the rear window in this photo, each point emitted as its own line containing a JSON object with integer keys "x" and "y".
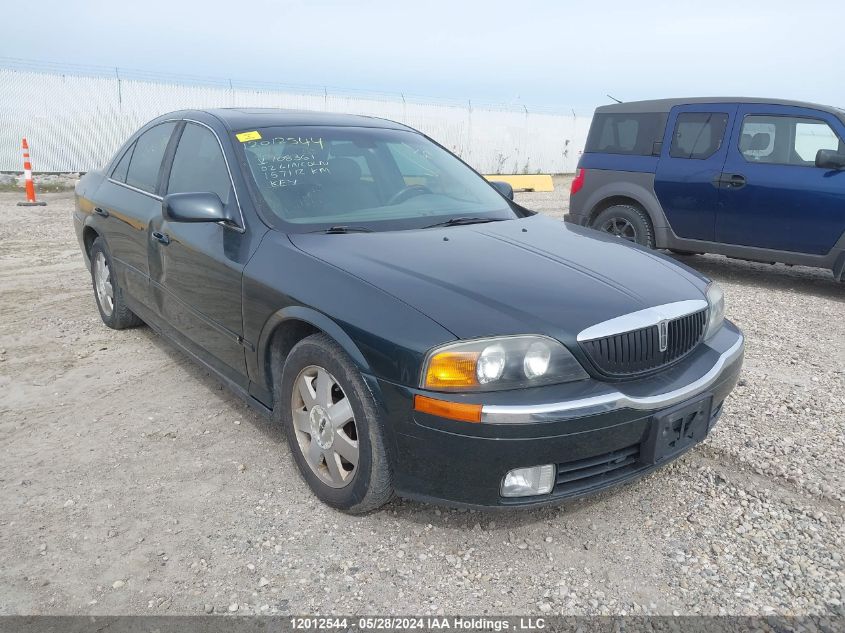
{"x": 147, "y": 156}
{"x": 621, "y": 133}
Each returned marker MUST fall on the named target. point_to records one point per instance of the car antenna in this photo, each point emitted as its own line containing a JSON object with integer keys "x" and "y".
{"x": 614, "y": 98}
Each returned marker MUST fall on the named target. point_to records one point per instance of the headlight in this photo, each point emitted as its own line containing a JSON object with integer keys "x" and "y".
{"x": 506, "y": 362}
{"x": 715, "y": 309}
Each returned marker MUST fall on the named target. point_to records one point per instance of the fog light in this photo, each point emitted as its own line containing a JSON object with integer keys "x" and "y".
{"x": 526, "y": 482}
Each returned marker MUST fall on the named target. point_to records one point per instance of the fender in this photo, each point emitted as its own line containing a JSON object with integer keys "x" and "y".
{"x": 83, "y": 213}
{"x": 314, "y": 318}
{"x": 642, "y": 192}
{"x": 637, "y": 186}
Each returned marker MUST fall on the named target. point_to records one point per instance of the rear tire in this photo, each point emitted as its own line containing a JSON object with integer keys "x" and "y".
{"x": 333, "y": 425}
{"x": 107, "y": 291}
{"x": 627, "y": 222}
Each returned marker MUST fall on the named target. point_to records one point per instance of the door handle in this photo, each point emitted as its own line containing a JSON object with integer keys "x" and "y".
{"x": 729, "y": 181}
{"x": 164, "y": 238}
{"x": 101, "y": 212}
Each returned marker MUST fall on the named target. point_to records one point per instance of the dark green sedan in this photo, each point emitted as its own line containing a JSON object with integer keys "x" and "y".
{"x": 414, "y": 330}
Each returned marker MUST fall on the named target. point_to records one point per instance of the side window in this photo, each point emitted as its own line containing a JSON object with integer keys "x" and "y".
{"x": 119, "y": 172}
{"x": 811, "y": 136}
{"x": 785, "y": 140}
{"x": 146, "y": 159}
{"x": 698, "y": 135}
{"x": 198, "y": 165}
{"x": 757, "y": 139}
{"x": 626, "y": 133}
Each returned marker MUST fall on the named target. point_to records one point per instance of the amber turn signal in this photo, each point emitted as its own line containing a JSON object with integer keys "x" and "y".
{"x": 444, "y": 409}
{"x": 451, "y": 369}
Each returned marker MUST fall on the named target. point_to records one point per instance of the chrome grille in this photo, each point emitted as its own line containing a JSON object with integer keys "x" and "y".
{"x": 638, "y": 352}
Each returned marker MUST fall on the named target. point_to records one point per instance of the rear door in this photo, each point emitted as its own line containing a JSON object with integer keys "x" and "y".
{"x": 691, "y": 159}
{"x": 196, "y": 268}
{"x": 774, "y": 196}
{"x": 128, "y": 201}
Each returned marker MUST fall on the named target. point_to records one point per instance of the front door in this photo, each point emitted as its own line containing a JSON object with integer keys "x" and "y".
{"x": 779, "y": 199}
{"x": 196, "y": 268}
{"x": 691, "y": 159}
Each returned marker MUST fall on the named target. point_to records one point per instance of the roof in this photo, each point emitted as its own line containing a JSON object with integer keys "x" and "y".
{"x": 241, "y": 118}
{"x": 664, "y": 105}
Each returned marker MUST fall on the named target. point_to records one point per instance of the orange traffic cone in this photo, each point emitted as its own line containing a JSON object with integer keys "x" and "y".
{"x": 27, "y": 175}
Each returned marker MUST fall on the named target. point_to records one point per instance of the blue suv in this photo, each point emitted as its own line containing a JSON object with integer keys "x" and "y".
{"x": 754, "y": 179}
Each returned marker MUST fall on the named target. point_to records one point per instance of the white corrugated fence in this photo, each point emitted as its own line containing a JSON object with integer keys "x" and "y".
{"x": 75, "y": 122}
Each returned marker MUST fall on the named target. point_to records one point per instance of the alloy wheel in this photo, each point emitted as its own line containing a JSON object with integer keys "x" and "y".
{"x": 325, "y": 426}
{"x": 620, "y": 227}
{"x": 102, "y": 284}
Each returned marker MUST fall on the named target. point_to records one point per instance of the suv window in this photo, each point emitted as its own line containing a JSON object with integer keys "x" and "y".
{"x": 146, "y": 159}
{"x": 698, "y": 135}
{"x": 198, "y": 165}
{"x": 622, "y": 133}
{"x": 785, "y": 140}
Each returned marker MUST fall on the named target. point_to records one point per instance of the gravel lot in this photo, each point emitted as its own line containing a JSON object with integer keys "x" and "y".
{"x": 131, "y": 482}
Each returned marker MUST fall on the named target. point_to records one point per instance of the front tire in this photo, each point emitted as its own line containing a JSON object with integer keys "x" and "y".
{"x": 107, "y": 291}
{"x": 333, "y": 426}
{"x": 626, "y": 222}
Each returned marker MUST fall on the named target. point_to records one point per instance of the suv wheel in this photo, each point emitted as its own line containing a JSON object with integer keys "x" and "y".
{"x": 626, "y": 222}
{"x": 333, "y": 426}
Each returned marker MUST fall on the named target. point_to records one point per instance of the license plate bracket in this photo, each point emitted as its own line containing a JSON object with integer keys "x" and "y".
{"x": 676, "y": 429}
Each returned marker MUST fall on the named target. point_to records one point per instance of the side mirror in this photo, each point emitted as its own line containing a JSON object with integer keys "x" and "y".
{"x": 830, "y": 159}
{"x": 194, "y": 207}
{"x": 503, "y": 188}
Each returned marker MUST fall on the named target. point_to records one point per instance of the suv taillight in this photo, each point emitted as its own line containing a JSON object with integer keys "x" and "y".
{"x": 578, "y": 182}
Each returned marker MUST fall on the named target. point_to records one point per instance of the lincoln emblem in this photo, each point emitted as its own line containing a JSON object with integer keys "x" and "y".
{"x": 663, "y": 331}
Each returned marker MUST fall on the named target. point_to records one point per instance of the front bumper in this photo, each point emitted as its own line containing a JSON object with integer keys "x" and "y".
{"x": 598, "y": 434}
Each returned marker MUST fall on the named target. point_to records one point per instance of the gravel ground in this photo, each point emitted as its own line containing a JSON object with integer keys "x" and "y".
{"x": 131, "y": 482}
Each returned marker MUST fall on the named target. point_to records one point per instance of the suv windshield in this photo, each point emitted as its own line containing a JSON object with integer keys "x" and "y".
{"x": 316, "y": 178}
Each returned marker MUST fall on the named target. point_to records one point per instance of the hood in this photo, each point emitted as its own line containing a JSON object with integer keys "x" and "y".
{"x": 530, "y": 276}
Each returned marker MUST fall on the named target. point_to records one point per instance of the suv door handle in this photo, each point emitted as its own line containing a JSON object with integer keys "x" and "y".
{"x": 164, "y": 238}
{"x": 729, "y": 181}
{"x": 101, "y": 212}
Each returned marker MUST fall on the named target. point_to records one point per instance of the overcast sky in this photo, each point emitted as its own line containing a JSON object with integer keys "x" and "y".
{"x": 554, "y": 53}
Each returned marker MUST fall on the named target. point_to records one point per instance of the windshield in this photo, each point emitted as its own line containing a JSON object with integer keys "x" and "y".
{"x": 315, "y": 178}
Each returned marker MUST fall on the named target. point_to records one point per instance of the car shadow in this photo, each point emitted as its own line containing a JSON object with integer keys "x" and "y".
{"x": 199, "y": 374}
{"x": 408, "y": 511}
{"x": 800, "y": 279}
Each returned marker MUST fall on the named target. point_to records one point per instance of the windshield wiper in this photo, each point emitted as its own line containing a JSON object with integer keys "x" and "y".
{"x": 464, "y": 220}
{"x": 340, "y": 229}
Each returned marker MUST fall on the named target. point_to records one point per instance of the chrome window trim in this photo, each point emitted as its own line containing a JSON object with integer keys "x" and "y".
{"x": 233, "y": 227}
{"x": 115, "y": 162}
{"x": 610, "y": 401}
{"x": 123, "y": 184}
{"x": 642, "y": 319}
{"x": 242, "y": 227}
